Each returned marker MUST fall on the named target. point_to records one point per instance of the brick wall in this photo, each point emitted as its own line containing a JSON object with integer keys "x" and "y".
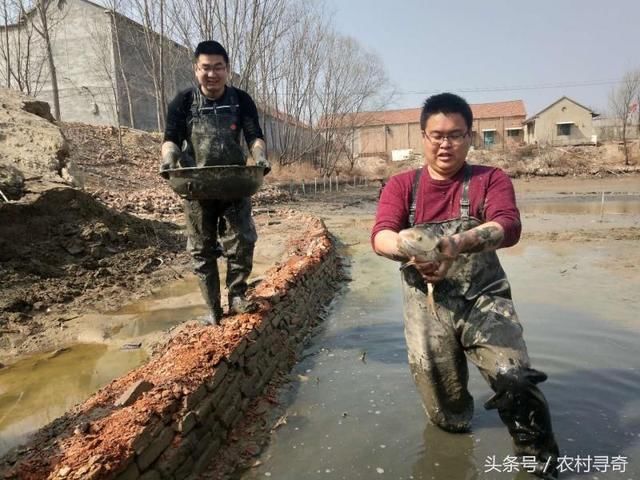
{"x": 169, "y": 418}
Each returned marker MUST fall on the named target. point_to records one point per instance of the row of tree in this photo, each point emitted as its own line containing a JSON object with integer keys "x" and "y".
{"x": 307, "y": 78}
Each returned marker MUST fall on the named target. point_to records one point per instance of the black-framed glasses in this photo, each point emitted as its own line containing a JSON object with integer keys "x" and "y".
{"x": 455, "y": 138}
{"x": 218, "y": 69}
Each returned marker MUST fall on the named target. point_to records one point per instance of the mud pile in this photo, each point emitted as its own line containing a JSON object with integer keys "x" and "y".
{"x": 65, "y": 245}
{"x": 547, "y": 161}
{"x": 122, "y": 171}
{"x": 33, "y": 151}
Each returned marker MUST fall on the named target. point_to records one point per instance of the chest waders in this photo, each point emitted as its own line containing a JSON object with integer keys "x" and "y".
{"x": 215, "y": 140}
{"x": 472, "y": 316}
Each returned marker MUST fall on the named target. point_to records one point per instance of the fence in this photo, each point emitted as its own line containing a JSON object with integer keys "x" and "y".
{"x": 326, "y": 184}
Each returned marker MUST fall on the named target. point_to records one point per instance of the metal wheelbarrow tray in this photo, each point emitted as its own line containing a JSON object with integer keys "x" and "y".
{"x": 228, "y": 182}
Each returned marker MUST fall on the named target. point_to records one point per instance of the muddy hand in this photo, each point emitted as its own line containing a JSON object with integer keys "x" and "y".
{"x": 439, "y": 273}
{"x": 423, "y": 268}
{"x": 448, "y": 247}
{"x": 446, "y": 250}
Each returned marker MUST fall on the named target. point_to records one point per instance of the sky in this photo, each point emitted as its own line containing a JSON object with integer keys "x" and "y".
{"x": 496, "y": 50}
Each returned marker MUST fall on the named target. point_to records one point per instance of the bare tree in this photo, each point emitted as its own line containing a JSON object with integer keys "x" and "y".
{"x": 285, "y": 84}
{"x": 352, "y": 80}
{"x": 114, "y": 8}
{"x": 621, "y": 101}
{"x": 20, "y": 51}
{"x": 43, "y": 20}
{"x": 102, "y": 44}
{"x": 5, "y": 48}
{"x": 151, "y": 14}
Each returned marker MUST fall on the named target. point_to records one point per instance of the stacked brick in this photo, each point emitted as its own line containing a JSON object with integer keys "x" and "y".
{"x": 169, "y": 418}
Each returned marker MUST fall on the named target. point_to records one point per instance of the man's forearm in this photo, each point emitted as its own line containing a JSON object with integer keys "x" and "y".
{"x": 483, "y": 238}
{"x": 385, "y": 243}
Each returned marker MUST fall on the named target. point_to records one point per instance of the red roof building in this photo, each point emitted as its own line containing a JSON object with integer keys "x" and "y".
{"x": 380, "y": 133}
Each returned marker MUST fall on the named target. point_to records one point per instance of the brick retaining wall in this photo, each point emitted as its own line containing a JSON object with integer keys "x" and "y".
{"x": 168, "y": 418}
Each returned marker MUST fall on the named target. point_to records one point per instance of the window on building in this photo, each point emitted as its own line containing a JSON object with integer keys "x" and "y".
{"x": 489, "y": 137}
{"x": 513, "y": 133}
{"x": 564, "y": 129}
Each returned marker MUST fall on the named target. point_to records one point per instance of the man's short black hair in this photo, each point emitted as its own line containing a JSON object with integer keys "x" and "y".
{"x": 211, "y": 47}
{"x": 446, "y": 103}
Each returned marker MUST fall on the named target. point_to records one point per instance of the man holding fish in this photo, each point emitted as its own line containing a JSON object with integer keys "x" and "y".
{"x": 444, "y": 222}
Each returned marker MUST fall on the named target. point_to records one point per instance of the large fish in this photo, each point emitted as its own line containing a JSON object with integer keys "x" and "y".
{"x": 419, "y": 244}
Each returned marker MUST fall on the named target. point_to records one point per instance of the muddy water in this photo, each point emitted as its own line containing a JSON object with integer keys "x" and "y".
{"x": 355, "y": 413}
{"x": 40, "y": 388}
{"x": 584, "y": 205}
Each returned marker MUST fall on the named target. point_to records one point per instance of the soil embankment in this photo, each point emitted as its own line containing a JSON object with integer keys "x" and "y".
{"x": 65, "y": 253}
{"x": 174, "y": 413}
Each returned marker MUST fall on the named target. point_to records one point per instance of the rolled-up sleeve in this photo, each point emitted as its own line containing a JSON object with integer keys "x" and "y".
{"x": 500, "y": 207}
{"x": 392, "y": 213}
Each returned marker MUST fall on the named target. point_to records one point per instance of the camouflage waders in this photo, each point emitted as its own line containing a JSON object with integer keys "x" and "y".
{"x": 215, "y": 140}
{"x": 472, "y": 316}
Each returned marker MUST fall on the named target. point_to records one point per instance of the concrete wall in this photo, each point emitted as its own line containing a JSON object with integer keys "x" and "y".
{"x": 371, "y": 140}
{"x": 611, "y": 129}
{"x": 80, "y": 33}
{"x": 545, "y": 130}
{"x": 138, "y": 68}
{"x": 282, "y": 136}
{"x": 88, "y": 67}
{"x": 380, "y": 140}
{"x": 170, "y": 418}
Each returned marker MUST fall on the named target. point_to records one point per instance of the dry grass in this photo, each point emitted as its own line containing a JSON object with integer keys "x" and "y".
{"x": 292, "y": 173}
{"x": 523, "y": 160}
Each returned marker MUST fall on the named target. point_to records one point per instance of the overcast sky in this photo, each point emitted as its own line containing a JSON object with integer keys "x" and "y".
{"x": 478, "y": 47}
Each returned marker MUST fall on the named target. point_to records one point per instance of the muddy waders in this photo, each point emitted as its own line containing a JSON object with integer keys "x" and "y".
{"x": 215, "y": 140}
{"x": 472, "y": 317}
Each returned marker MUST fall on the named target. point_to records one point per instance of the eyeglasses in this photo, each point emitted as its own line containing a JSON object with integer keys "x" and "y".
{"x": 212, "y": 68}
{"x": 455, "y": 138}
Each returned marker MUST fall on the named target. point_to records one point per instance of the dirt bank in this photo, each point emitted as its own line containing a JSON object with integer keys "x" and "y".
{"x": 204, "y": 375}
{"x": 66, "y": 253}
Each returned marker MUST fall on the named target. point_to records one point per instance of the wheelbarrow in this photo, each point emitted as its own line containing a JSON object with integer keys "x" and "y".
{"x": 225, "y": 182}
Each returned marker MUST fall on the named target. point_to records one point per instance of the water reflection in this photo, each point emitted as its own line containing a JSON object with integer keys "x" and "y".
{"x": 585, "y": 205}
{"x": 577, "y": 330}
{"x": 445, "y": 455}
{"x": 38, "y": 390}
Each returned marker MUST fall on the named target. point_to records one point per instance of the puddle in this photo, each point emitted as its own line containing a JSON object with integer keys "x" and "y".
{"x": 357, "y": 414}
{"x": 38, "y": 390}
{"x": 584, "y": 205}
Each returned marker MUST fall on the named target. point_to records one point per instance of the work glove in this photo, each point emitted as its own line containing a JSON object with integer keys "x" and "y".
{"x": 258, "y": 152}
{"x": 170, "y": 159}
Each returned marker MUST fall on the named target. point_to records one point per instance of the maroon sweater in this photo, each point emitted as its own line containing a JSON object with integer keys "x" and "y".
{"x": 491, "y": 197}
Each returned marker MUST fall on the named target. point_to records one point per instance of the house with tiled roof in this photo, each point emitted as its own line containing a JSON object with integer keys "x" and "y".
{"x": 564, "y": 122}
{"x": 380, "y": 133}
